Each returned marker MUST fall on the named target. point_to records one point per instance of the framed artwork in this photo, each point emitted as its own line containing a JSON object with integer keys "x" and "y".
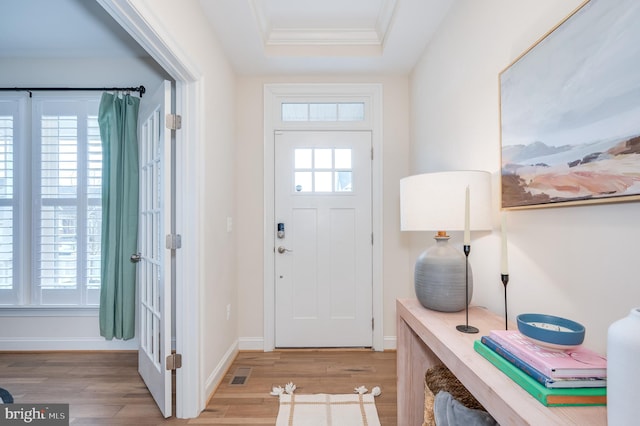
{"x": 570, "y": 112}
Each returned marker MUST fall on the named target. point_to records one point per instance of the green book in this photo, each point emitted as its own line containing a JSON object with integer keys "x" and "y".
{"x": 547, "y": 396}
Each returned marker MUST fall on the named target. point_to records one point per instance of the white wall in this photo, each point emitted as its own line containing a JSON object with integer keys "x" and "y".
{"x": 192, "y": 36}
{"x": 81, "y": 72}
{"x": 576, "y": 262}
{"x": 49, "y": 330}
{"x": 249, "y": 176}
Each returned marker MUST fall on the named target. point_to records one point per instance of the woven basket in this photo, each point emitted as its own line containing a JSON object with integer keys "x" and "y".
{"x": 440, "y": 378}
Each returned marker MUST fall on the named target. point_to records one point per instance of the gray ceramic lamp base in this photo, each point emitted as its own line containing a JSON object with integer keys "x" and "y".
{"x": 440, "y": 278}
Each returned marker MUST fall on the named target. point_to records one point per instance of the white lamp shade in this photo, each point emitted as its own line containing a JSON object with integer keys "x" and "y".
{"x": 436, "y": 201}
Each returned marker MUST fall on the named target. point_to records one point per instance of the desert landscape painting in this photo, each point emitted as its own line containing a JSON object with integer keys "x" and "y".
{"x": 570, "y": 112}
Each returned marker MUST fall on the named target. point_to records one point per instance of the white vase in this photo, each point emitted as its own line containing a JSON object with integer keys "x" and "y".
{"x": 623, "y": 370}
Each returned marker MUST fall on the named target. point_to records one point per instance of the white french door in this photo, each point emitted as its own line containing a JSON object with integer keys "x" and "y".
{"x": 154, "y": 267}
{"x": 323, "y": 242}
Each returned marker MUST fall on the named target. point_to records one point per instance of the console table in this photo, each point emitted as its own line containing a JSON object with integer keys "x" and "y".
{"x": 426, "y": 338}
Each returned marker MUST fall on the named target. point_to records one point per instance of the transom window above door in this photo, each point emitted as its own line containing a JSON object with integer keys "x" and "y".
{"x": 323, "y": 112}
{"x": 321, "y": 170}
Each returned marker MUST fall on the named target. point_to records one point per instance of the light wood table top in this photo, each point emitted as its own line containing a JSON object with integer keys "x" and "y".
{"x": 426, "y": 337}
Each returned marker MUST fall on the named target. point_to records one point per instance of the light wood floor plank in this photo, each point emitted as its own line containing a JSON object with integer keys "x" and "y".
{"x": 104, "y": 388}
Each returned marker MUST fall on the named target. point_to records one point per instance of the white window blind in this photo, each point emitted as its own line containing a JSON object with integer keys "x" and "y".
{"x": 8, "y": 112}
{"x": 61, "y": 163}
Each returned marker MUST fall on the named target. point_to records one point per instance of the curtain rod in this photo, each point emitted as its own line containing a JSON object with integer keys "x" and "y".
{"x": 140, "y": 89}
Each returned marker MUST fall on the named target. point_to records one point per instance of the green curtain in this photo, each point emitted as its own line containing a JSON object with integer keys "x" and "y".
{"x": 118, "y": 120}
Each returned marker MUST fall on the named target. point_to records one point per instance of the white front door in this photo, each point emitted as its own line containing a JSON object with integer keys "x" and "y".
{"x": 323, "y": 243}
{"x": 154, "y": 268}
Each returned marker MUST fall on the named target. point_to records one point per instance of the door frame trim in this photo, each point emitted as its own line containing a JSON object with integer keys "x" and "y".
{"x": 274, "y": 94}
{"x": 138, "y": 20}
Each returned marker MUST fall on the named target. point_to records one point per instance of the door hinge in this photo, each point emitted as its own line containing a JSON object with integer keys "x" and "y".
{"x": 372, "y": 238}
{"x": 174, "y": 361}
{"x": 372, "y": 323}
{"x": 173, "y": 121}
{"x": 372, "y": 153}
{"x": 173, "y": 241}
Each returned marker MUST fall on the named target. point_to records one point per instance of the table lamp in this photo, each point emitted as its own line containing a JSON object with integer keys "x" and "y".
{"x": 445, "y": 201}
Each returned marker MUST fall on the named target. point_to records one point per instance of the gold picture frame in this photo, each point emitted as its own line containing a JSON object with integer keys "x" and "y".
{"x": 570, "y": 112}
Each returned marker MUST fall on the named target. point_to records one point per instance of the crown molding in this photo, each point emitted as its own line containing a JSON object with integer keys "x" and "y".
{"x": 373, "y": 36}
{"x": 322, "y": 37}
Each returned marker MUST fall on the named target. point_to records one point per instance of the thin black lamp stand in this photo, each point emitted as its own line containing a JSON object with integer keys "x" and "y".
{"x": 505, "y": 280}
{"x": 466, "y": 328}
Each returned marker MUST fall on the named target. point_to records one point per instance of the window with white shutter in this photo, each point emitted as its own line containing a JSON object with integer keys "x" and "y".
{"x": 61, "y": 166}
{"x": 8, "y": 113}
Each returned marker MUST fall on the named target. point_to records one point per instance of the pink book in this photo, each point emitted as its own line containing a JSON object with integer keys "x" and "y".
{"x": 578, "y": 362}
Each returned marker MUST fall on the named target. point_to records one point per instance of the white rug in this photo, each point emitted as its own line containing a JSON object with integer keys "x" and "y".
{"x": 327, "y": 410}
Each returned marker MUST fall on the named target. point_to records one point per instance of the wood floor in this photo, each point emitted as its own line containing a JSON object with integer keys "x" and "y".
{"x": 104, "y": 388}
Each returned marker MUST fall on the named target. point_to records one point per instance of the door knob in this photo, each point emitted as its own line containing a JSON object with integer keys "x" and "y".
{"x": 135, "y": 258}
{"x": 283, "y": 250}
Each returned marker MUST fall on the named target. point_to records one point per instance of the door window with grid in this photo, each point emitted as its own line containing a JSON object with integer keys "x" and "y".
{"x": 50, "y": 201}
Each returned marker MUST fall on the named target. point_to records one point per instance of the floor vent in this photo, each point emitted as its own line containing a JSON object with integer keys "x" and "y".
{"x": 241, "y": 376}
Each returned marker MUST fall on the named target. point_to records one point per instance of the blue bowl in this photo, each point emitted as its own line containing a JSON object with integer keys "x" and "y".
{"x": 551, "y": 332}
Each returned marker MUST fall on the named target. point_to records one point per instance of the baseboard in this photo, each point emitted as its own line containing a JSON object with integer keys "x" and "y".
{"x": 251, "y": 343}
{"x": 257, "y": 343}
{"x": 390, "y": 343}
{"x": 66, "y": 344}
{"x": 218, "y": 372}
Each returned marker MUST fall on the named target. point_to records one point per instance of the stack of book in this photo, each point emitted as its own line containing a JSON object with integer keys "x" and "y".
{"x": 575, "y": 377}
